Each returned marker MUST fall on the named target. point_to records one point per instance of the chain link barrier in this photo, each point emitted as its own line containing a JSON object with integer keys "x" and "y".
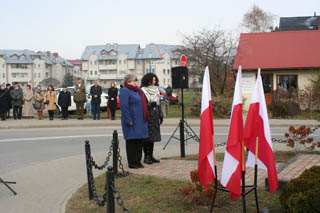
{"x": 275, "y": 140}
{"x": 118, "y": 198}
{"x": 92, "y": 164}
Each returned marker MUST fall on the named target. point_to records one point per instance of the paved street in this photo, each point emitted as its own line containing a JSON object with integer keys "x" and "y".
{"x": 49, "y": 163}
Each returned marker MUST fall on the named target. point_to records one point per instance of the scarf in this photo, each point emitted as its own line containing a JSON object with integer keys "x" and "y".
{"x": 152, "y": 93}
{"x": 143, "y": 99}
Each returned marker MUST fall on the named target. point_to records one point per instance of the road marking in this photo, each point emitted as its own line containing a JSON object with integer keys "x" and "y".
{"x": 97, "y": 136}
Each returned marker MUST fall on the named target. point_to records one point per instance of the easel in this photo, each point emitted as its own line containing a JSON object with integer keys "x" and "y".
{"x": 6, "y": 184}
{"x": 244, "y": 193}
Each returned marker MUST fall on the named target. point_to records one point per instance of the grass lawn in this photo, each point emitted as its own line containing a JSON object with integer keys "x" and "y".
{"x": 144, "y": 194}
{"x": 175, "y": 109}
{"x": 280, "y": 156}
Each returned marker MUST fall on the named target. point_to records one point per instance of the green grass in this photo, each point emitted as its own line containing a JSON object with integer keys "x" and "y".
{"x": 175, "y": 109}
{"x": 145, "y": 194}
{"x": 280, "y": 156}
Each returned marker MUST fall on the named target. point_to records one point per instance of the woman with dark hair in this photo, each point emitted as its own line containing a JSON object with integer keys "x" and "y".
{"x": 149, "y": 86}
{"x": 4, "y": 102}
{"x": 134, "y": 120}
{"x": 50, "y": 99}
{"x": 112, "y": 102}
{"x": 28, "y": 98}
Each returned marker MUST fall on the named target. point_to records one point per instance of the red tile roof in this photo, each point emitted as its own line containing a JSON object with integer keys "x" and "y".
{"x": 279, "y": 50}
{"x": 76, "y": 61}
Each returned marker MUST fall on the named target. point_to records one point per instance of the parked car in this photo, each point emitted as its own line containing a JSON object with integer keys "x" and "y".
{"x": 163, "y": 96}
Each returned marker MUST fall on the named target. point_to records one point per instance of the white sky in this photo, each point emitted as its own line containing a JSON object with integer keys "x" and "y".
{"x": 68, "y": 26}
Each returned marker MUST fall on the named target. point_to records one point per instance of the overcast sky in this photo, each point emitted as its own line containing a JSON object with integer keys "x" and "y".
{"x": 68, "y": 26}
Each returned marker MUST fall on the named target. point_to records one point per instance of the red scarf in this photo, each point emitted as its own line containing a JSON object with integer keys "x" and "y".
{"x": 143, "y": 98}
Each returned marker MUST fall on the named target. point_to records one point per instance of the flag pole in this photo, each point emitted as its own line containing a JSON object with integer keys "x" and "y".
{"x": 215, "y": 162}
{"x": 243, "y": 187}
{"x": 256, "y": 174}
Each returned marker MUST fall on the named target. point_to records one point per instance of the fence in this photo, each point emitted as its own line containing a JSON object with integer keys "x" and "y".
{"x": 111, "y": 193}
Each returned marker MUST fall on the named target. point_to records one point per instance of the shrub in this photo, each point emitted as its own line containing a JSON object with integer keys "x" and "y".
{"x": 195, "y": 191}
{"x": 302, "y": 194}
{"x": 284, "y": 109}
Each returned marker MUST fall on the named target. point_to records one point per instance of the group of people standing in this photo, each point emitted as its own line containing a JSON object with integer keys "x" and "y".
{"x": 141, "y": 117}
{"x": 25, "y": 103}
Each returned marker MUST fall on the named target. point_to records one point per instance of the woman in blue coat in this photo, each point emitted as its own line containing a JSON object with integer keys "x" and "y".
{"x": 134, "y": 120}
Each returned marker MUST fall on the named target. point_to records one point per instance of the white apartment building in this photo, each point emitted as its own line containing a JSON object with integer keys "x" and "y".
{"x": 111, "y": 62}
{"x": 34, "y": 68}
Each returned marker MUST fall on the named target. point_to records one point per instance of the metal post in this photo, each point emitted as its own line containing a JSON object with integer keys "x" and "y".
{"x": 255, "y": 186}
{"x": 110, "y": 196}
{"x": 89, "y": 168}
{"x": 243, "y": 187}
{"x": 115, "y": 152}
{"x": 182, "y": 147}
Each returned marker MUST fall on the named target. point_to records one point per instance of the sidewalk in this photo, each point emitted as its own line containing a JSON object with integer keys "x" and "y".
{"x": 46, "y": 123}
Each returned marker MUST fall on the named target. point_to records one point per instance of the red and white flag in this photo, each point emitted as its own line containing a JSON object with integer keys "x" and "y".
{"x": 257, "y": 125}
{"x": 232, "y": 165}
{"x": 206, "y": 164}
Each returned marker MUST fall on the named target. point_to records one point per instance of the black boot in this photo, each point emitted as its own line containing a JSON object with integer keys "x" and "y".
{"x": 151, "y": 154}
{"x": 147, "y": 156}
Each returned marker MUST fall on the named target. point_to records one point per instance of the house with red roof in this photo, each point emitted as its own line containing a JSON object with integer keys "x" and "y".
{"x": 288, "y": 59}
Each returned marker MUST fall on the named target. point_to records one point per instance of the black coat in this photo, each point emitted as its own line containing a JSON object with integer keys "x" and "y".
{"x": 64, "y": 99}
{"x": 95, "y": 90}
{"x": 155, "y": 116}
{"x": 112, "y": 93}
{"x": 4, "y": 100}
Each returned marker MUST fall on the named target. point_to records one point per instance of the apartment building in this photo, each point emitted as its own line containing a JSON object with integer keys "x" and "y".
{"x": 34, "y": 68}
{"x": 77, "y": 68}
{"x": 111, "y": 62}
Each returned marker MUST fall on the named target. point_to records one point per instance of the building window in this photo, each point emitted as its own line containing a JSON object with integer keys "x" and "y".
{"x": 138, "y": 62}
{"x": 164, "y": 81}
{"x": 13, "y": 75}
{"x": 119, "y": 61}
{"x": 3, "y": 75}
{"x": 90, "y": 72}
{"x": 168, "y": 71}
{"x": 2, "y": 65}
{"x": 124, "y": 61}
{"x": 90, "y": 62}
{"x": 168, "y": 81}
{"x": 96, "y": 72}
{"x": 95, "y": 62}
{"x": 164, "y": 71}
{"x": 38, "y": 65}
{"x": 285, "y": 82}
{"x": 39, "y": 75}
{"x": 47, "y": 75}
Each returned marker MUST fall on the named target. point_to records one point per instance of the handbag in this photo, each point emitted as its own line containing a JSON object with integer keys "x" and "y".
{"x": 36, "y": 105}
{"x": 47, "y": 102}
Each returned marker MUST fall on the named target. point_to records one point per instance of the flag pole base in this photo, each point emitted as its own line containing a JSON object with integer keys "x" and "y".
{"x": 244, "y": 190}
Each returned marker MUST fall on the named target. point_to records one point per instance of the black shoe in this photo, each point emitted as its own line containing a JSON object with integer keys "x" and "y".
{"x": 133, "y": 167}
{"x": 147, "y": 160}
{"x": 155, "y": 160}
{"x": 113, "y": 119}
{"x": 140, "y": 165}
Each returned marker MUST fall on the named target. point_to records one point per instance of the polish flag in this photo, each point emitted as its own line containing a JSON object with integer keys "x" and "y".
{"x": 232, "y": 165}
{"x": 206, "y": 164}
{"x": 257, "y": 126}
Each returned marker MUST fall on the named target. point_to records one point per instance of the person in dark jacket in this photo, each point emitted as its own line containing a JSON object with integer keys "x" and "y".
{"x": 79, "y": 97}
{"x": 9, "y": 88}
{"x": 4, "y": 102}
{"x": 16, "y": 101}
{"x": 134, "y": 120}
{"x": 149, "y": 86}
{"x": 169, "y": 92}
{"x": 64, "y": 102}
{"x": 95, "y": 92}
{"x": 112, "y": 101}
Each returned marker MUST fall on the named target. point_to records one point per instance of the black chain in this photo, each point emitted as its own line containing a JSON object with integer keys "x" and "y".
{"x": 118, "y": 198}
{"x": 191, "y": 135}
{"x": 94, "y": 191}
{"x": 220, "y": 144}
{"x": 103, "y": 166}
{"x": 274, "y": 140}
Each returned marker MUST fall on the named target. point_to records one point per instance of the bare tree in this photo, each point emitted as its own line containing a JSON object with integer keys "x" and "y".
{"x": 213, "y": 48}
{"x": 258, "y": 20}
